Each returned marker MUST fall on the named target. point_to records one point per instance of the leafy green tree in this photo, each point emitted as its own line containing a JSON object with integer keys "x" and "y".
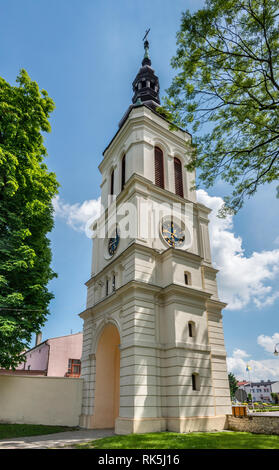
{"x": 26, "y": 215}
{"x": 233, "y": 384}
{"x": 226, "y": 91}
{"x": 275, "y": 397}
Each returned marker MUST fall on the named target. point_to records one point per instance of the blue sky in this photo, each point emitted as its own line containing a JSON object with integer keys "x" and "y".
{"x": 86, "y": 53}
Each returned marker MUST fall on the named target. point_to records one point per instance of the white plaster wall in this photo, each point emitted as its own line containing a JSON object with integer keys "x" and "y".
{"x": 179, "y": 398}
{"x": 40, "y": 400}
{"x": 209, "y": 280}
{"x": 143, "y": 131}
{"x": 218, "y": 363}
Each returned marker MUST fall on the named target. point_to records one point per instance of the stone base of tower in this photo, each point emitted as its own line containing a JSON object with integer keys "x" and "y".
{"x": 140, "y": 425}
{"x": 146, "y": 425}
{"x": 197, "y": 424}
{"x": 182, "y": 425}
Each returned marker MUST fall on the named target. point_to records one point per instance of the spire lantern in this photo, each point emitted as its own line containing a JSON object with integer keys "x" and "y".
{"x": 146, "y": 84}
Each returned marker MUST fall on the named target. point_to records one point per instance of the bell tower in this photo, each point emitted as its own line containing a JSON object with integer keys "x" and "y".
{"x": 153, "y": 346}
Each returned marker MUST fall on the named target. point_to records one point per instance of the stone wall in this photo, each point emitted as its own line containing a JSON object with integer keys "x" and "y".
{"x": 255, "y": 424}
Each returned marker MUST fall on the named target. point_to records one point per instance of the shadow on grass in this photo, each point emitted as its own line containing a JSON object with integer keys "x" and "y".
{"x": 8, "y": 431}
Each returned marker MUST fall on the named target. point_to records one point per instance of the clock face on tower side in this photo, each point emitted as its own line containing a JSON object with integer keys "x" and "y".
{"x": 172, "y": 233}
{"x": 113, "y": 243}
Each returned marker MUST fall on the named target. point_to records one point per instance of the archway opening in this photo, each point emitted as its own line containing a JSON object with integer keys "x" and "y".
{"x": 107, "y": 389}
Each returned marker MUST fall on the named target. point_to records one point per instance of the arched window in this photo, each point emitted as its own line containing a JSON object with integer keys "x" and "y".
{"x": 123, "y": 172}
{"x": 159, "y": 168}
{"x": 178, "y": 181}
{"x": 187, "y": 278}
{"x": 112, "y": 182}
{"x": 191, "y": 329}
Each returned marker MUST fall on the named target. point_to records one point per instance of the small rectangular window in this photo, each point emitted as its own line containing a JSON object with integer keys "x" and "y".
{"x": 194, "y": 384}
{"x": 186, "y": 280}
{"x": 107, "y": 287}
{"x": 74, "y": 368}
{"x": 113, "y": 283}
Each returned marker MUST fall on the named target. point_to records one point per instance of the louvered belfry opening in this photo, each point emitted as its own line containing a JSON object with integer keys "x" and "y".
{"x": 123, "y": 172}
{"x": 178, "y": 177}
{"x": 159, "y": 168}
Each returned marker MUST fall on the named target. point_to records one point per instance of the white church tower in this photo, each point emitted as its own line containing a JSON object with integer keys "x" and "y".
{"x": 153, "y": 346}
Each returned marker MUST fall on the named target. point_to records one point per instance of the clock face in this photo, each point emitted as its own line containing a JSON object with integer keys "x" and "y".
{"x": 113, "y": 243}
{"x": 173, "y": 233}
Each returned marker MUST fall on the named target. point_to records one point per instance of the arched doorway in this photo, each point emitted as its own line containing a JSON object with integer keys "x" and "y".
{"x": 107, "y": 390}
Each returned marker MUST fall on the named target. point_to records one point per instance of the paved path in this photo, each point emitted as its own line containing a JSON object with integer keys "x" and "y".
{"x": 264, "y": 413}
{"x": 58, "y": 440}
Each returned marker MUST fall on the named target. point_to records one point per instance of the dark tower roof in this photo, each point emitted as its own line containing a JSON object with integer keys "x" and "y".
{"x": 145, "y": 86}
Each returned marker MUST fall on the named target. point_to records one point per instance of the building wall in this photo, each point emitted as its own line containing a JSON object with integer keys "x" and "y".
{"x": 275, "y": 387}
{"x": 61, "y": 350}
{"x": 53, "y": 355}
{"x": 259, "y": 392}
{"x": 40, "y": 400}
{"x": 36, "y": 359}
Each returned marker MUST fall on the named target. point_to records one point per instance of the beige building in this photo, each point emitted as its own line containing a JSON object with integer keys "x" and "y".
{"x": 153, "y": 348}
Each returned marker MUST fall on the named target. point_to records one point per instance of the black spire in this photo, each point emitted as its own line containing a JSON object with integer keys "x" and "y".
{"x": 146, "y": 84}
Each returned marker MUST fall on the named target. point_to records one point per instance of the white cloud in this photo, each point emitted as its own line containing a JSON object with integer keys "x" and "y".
{"x": 243, "y": 279}
{"x": 77, "y": 215}
{"x": 260, "y": 370}
{"x": 268, "y": 342}
{"x": 240, "y": 354}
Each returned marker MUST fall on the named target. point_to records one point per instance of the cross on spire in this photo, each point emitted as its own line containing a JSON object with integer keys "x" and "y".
{"x": 146, "y": 44}
{"x": 146, "y": 33}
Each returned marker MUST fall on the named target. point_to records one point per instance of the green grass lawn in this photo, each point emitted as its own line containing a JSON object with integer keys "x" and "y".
{"x": 171, "y": 440}
{"x": 21, "y": 430}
